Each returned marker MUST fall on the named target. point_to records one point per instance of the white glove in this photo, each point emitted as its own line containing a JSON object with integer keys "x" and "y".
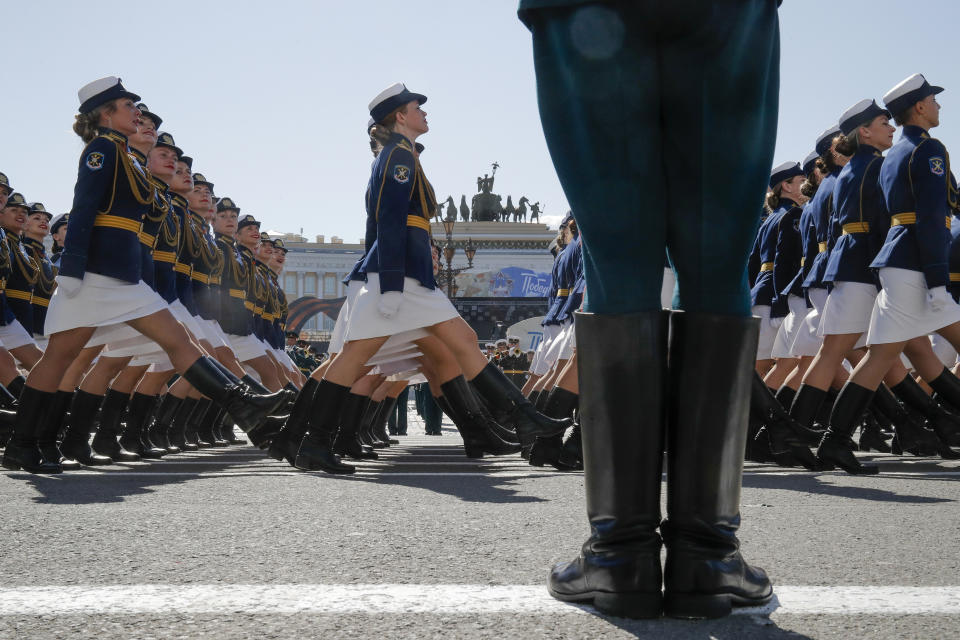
{"x": 389, "y": 303}
{"x": 938, "y": 298}
{"x": 69, "y": 286}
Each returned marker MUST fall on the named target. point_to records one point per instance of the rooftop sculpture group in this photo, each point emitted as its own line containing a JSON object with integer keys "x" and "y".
{"x": 487, "y": 206}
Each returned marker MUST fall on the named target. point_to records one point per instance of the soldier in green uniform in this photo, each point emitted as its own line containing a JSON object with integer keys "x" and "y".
{"x": 641, "y": 102}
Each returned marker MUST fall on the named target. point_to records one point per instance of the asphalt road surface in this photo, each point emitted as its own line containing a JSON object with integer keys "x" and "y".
{"x": 423, "y": 543}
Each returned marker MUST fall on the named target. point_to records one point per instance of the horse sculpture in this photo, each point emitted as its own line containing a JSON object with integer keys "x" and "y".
{"x": 451, "y": 209}
{"x": 509, "y": 211}
{"x": 521, "y": 214}
{"x": 464, "y": 209}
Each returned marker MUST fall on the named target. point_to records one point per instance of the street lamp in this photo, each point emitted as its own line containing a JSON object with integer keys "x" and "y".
{"x": 448, "y": 273}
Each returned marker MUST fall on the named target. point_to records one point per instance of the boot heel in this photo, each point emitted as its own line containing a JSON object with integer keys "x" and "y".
{"x": 697, "y": 607}
{"x": 473, "y": 450}
{"x": 630, "y": 605}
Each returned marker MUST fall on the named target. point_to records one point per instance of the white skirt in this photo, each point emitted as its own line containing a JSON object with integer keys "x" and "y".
{"x": 569, "y": 343}
{"x": 101, "y": 301}
{"x": 807, "y": 342}
{"x": 421, "y": 307}
{"x": 944, "y": 350}
{"x": 186, "y": 318}
{"x": 135, "y": 346}
{"x": 555, "y": 353}
{"x": 539, "y": 366}
{"x": 790, "y": 328}
{"x": 215, "y": 334}
{"x": 847, "y": 309}
{"x": 156, "y": 361}
{"x": 404, "y": 365}
{"x": 901, "y": 311}
{"x": 14, "y": 335}
{"x": 667, "y": 287}
{"x": 768, "y": 330}
{"x": 343, "y": 318}
{"x": 246, "y": 347}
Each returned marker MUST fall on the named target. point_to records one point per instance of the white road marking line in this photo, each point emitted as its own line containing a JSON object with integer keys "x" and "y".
{"x": 428, "y": 598}
{"x": 363, "y": 473}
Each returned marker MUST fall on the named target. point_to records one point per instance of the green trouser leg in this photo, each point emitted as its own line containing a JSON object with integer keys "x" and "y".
{"x": 661, "y": 118}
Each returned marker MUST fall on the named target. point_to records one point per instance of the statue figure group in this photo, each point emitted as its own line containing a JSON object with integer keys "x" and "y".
{"x": 488, "y": 206}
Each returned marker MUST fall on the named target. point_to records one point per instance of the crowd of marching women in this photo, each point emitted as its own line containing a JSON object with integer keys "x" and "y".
{"x": 157, "y": 322}
{"x": 855, "y": 275}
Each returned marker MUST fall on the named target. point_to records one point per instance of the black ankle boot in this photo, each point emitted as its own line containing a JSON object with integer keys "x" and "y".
{"x": 23, "y": 450}
{"x": 248, "y": 410}
{"x": 806, "y": 404}
{"x": 622, "y": 360}
{"x": 346, "y": 442}
{"x": 470, "y": 422}
{"x": 504, "y": 397}
{"x": 140, "y": 410}
{"x": 837, "y": 445}
{"x": 316, "y": 452}
{"x": 285, "y": 444}
{"x": 160, "y": 430}
{"x": 942, "y": 421}
{"x": 49, "y": 431}
{"x": 108, "y": 440}
{"x": 560, "y": 404}
{"x": 709, "y": 395}
{"x": 76, "y": 439}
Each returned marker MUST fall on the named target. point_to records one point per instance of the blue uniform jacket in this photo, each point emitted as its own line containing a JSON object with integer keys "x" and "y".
{"x": 862, "y": 218}
{"x": 552, "y": 294}
{"x": 575, "y": 299}
{"x": 778, "y": 249}
{"x": 109, "y": 201}
{"x": 955, "y": 259}
{"x": 234, "y": 318}
{"x": 808, "y": 252}
{"x": 915, "y": 180}
{"x": 187, "y": 252}
{"x": 44, "y": 286}
{"x": 400, "y": 201}
{"x": 566, "y": 278}
{"x": 207, "y": 270}
{"x": 820, "y": 210}
{"x": 20, "y": 284}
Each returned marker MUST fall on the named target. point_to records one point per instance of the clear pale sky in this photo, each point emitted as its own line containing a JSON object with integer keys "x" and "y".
{"x": 270, "y": 98}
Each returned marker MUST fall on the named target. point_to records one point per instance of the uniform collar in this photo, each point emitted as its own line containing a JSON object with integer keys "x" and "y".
{"x": 787, "y": 203}
{"x": 913, "y": 131}
{"x": 179, "y": 200}
{"x": 36, "y": 244}
{"x": 229, "y": 239}
{"x": 401, "y": 141}
{"x": 112, "y": 134}
{"x": 244, "y": 250}
{"x": 141, "y": 158}
{"x": 868, "y": 150}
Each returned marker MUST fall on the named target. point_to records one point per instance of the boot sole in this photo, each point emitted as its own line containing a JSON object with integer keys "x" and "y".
{"x": 13, "y": 466}
{"x": 304, "y": 466}
{"x": 633, "y": 605}
{"x": 702, "y": 606}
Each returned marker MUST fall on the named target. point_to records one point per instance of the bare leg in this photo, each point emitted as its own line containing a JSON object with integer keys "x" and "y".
{"x": 265, "y": 369}
{"x": 351, "y": 363}
{"x": 832, "y": 352}
{"x": 457, "y": 335}
{"x": 62, "y": 350}
{"x": 129, "y": 379}
{"x": 28, "y": 355}
{"x": 8, "y": 367}
{"x": 106, "y": 369}
{"x": 778, "y": 374}
{"x": 793, "y": 380}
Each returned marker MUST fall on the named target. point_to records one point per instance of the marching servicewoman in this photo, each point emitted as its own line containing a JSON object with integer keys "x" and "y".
{"x": 16, "y": 331}
{"x": 913, "y": 269}
{"x": 34, "y": 233}
{"x": 100, "y": 279}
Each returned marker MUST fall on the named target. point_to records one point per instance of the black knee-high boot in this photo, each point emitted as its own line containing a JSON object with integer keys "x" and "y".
{"x": 346, "y": 442}
{"x": 76, "y": 440}
{"x": 806, "y": 404}
{"x": 622, "y": 361}
{"x": 837, "y": 445}
{"x": 286, "y": 443}
{"x": 709, "y": 404}
{"x": 560, "y": 404}
{"x": 316, "y": 450}
{"x": 468, "y": 417}
{"x": 140, "y": 410}
{"x": 203, "y": 418}
{"x": 170, "y": 406}
{"x": 788, "y": 441}
{"x": 944, "y": 423}
{"x": 23, "y": 449}
{"x": 910, "y": 434}
{"x": 160, "y": 432}
{"x": 512, "y": 409}
{"x": 16, "y": 386}
{"x": 8, "y": 401}
{"x": 364, "y": 431}
{"x": 379, "y": 426}
{"x": 49, "y": 431}
{"x": 109, "y": 439}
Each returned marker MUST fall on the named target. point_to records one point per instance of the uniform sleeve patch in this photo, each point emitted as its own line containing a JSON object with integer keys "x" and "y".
{"x": 94, "y": 161}
{"x": 401, "y": 173}
{"x": 938, "y": 166}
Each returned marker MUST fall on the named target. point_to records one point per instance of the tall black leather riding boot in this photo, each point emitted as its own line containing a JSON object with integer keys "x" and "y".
{"x": 76, "y": 439}
{"x": 249, "y": 411}
{"x": 470, "y": 422}
{"x": 50, "y": 428}
{"x": 622, "y": 361}
{"x": 160, "y": 431}
{"x": 285, "y": 395}
{"x": 23, "y": 450}
{"x": 286, "y": 443}
{"x": 806, "y": 403}
{"x": 369, "y": 414}
{"x": 516, "y": 411}
{"x": 169, "y": 411}
{"x": 942, "y": 421}
{"x": 709, "y": 399}
{"x": 108, "y": 440}
{"x": 316, "y": 452}
{"x": 785, "y": 396}
{"x": 560, "y": 404}
{"x": 762, "y": 398}
{"x": 346, "y": 442}
{"x": 837, "y": 446}
{"x": 504, "y": 433}
{"x": 140, "y": 410}
{"x": 16, "y": 386}
{"x": 373, "y": 421}
{"x": 203, "y": 418}
{"x": 947, "y": 388}
{"x": 910, "y": 434}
